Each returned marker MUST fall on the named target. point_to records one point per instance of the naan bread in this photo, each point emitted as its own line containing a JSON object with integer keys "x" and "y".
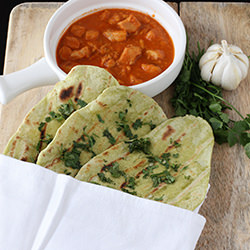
{"x": 118, "y": 114}
{"x": 84, "y": 83}
{"x": 176, "y": 169}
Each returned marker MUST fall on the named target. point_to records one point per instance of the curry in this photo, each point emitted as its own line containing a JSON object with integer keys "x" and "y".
{"x": 131, "y": 45}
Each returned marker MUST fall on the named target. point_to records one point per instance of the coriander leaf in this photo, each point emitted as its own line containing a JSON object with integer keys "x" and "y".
{"x": 244, "y": 138}
{"x": 71, "y": 158}
{"x": 129, "y": 192}
{"x": 240, "y": 126}
{"x": 129, "y": 102}
{"x": 48, "y": 119}
{"x": 247, "y": 149}
{"x": 215, "y": 107}
{"x": 215, "y": 123}
{"x": 100, "y": 118}
{"x": 110, "y": 137}
{"x": 221, "y": 135}
{"x": 148, "y": 170}
{"x": 163, "y": 176}
{"x": 140, "y": 145}
{"x": 66, "y": 109}
{"x": 224, "y": 117}
{"x": 232, "y": 138}
{"x": 175, "y": 167}
{"x": 114, "y": 170}
{"x": 137, "y": 124}
{"x": 152, "y": 126}
{"x": 122, "y": 115}
{"x": 126, "y": 129}
{"x": 159, "y": 199}
{"x": 103, "y": 178}
{"x": 131, "y": 183}
{"x": 41, "y": 126}
{"x": 81, "y": 103}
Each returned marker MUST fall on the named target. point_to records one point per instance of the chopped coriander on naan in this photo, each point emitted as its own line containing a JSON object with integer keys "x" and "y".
{"x": 98, "y": 126}
{"x": 82, "y": 85}
{"x": 170, "y": 164}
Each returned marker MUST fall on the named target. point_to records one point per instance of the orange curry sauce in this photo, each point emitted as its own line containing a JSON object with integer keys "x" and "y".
{"x": 131, "y": 45}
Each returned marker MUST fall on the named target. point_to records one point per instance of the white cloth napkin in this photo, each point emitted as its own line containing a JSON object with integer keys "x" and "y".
{"x": 40, "y": 209}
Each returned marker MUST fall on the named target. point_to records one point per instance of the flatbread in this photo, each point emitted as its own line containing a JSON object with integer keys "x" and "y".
{"x": 176, "y": 171}
{"x": 118, "y": 114}
{"x": 83, "y": 83}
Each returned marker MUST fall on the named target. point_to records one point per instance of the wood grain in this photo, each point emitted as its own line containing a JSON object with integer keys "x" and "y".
{"x": 227, "y": 208}
{"x": 24, "y": 47}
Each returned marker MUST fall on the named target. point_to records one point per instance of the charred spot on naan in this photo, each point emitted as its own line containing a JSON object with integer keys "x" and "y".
{"x": 66, "y": 94}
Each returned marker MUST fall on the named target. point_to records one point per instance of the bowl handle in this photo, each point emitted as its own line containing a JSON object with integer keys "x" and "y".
{"x": 37, "y": 75}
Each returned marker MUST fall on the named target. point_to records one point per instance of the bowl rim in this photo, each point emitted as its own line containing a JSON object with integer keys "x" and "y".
{"x": 176, "y": 61}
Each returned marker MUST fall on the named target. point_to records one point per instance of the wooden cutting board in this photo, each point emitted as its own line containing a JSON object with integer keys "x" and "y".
{"x": 227, "y": 207}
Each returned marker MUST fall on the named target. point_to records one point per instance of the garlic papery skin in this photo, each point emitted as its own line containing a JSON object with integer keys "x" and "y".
{"x": 224, "y": 65}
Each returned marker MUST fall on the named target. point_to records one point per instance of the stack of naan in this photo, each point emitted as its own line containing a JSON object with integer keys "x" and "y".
{"x": 97, "y": 131}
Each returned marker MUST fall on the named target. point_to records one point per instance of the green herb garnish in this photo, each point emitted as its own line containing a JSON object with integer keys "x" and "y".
{"x": 164, "y": 160}
{"x": 66, "y": 109}
{"x": 81, "y": 103}
{"x": 137, "y": 124}
{"x": 46, "y": 139}
{"x": 129, "y": 102}
{"x": 110, "y": 137}
{"x": 129, "y": 192}
{"x": 71, "y": 158}
{"x": 197, "y": 97}
{"x": 152, "y": 126}
{"x": 175, "y": 166}
{"x": 161, "y": 177}
{"x": 114, "y": 170}
{"x": 184, "y": 168}
{"x": 148, "y": 170}
{"x": 159, "y": 199}
{"x": 122, "y": 115}
{"x": 41, "y": 126}
{"x": 100, "y": 118}
{"x": 126, "y": 129}
{"x": 187, "y": 177}
{"x": 141, "y": 145}
{"x": 122, "y": 125}
{"x": 103, "y": 178}
{"x": 131, "y": 183}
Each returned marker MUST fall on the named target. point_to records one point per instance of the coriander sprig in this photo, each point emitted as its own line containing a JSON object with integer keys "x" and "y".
{"x": 197, "y": 97}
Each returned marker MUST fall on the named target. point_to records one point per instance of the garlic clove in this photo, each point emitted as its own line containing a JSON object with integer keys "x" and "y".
{"x": 208, "y": 57}
{"x": 207, "y": 69}
{"x": 227, "y": 73}
{"x": 243, "y": 63}
{"x": 207, "y": 63}
{"x": 235, "y": 50}
{"x": 214, "y": 48}
{"x": 217, "y": 71}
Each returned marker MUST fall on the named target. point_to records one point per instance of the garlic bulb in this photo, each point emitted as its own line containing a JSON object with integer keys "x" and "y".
{"x": 224, "y": 65}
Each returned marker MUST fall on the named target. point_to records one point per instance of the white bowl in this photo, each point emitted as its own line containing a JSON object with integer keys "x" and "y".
{"x": 162, "y": 12}
{"x": 46, "y": 70}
